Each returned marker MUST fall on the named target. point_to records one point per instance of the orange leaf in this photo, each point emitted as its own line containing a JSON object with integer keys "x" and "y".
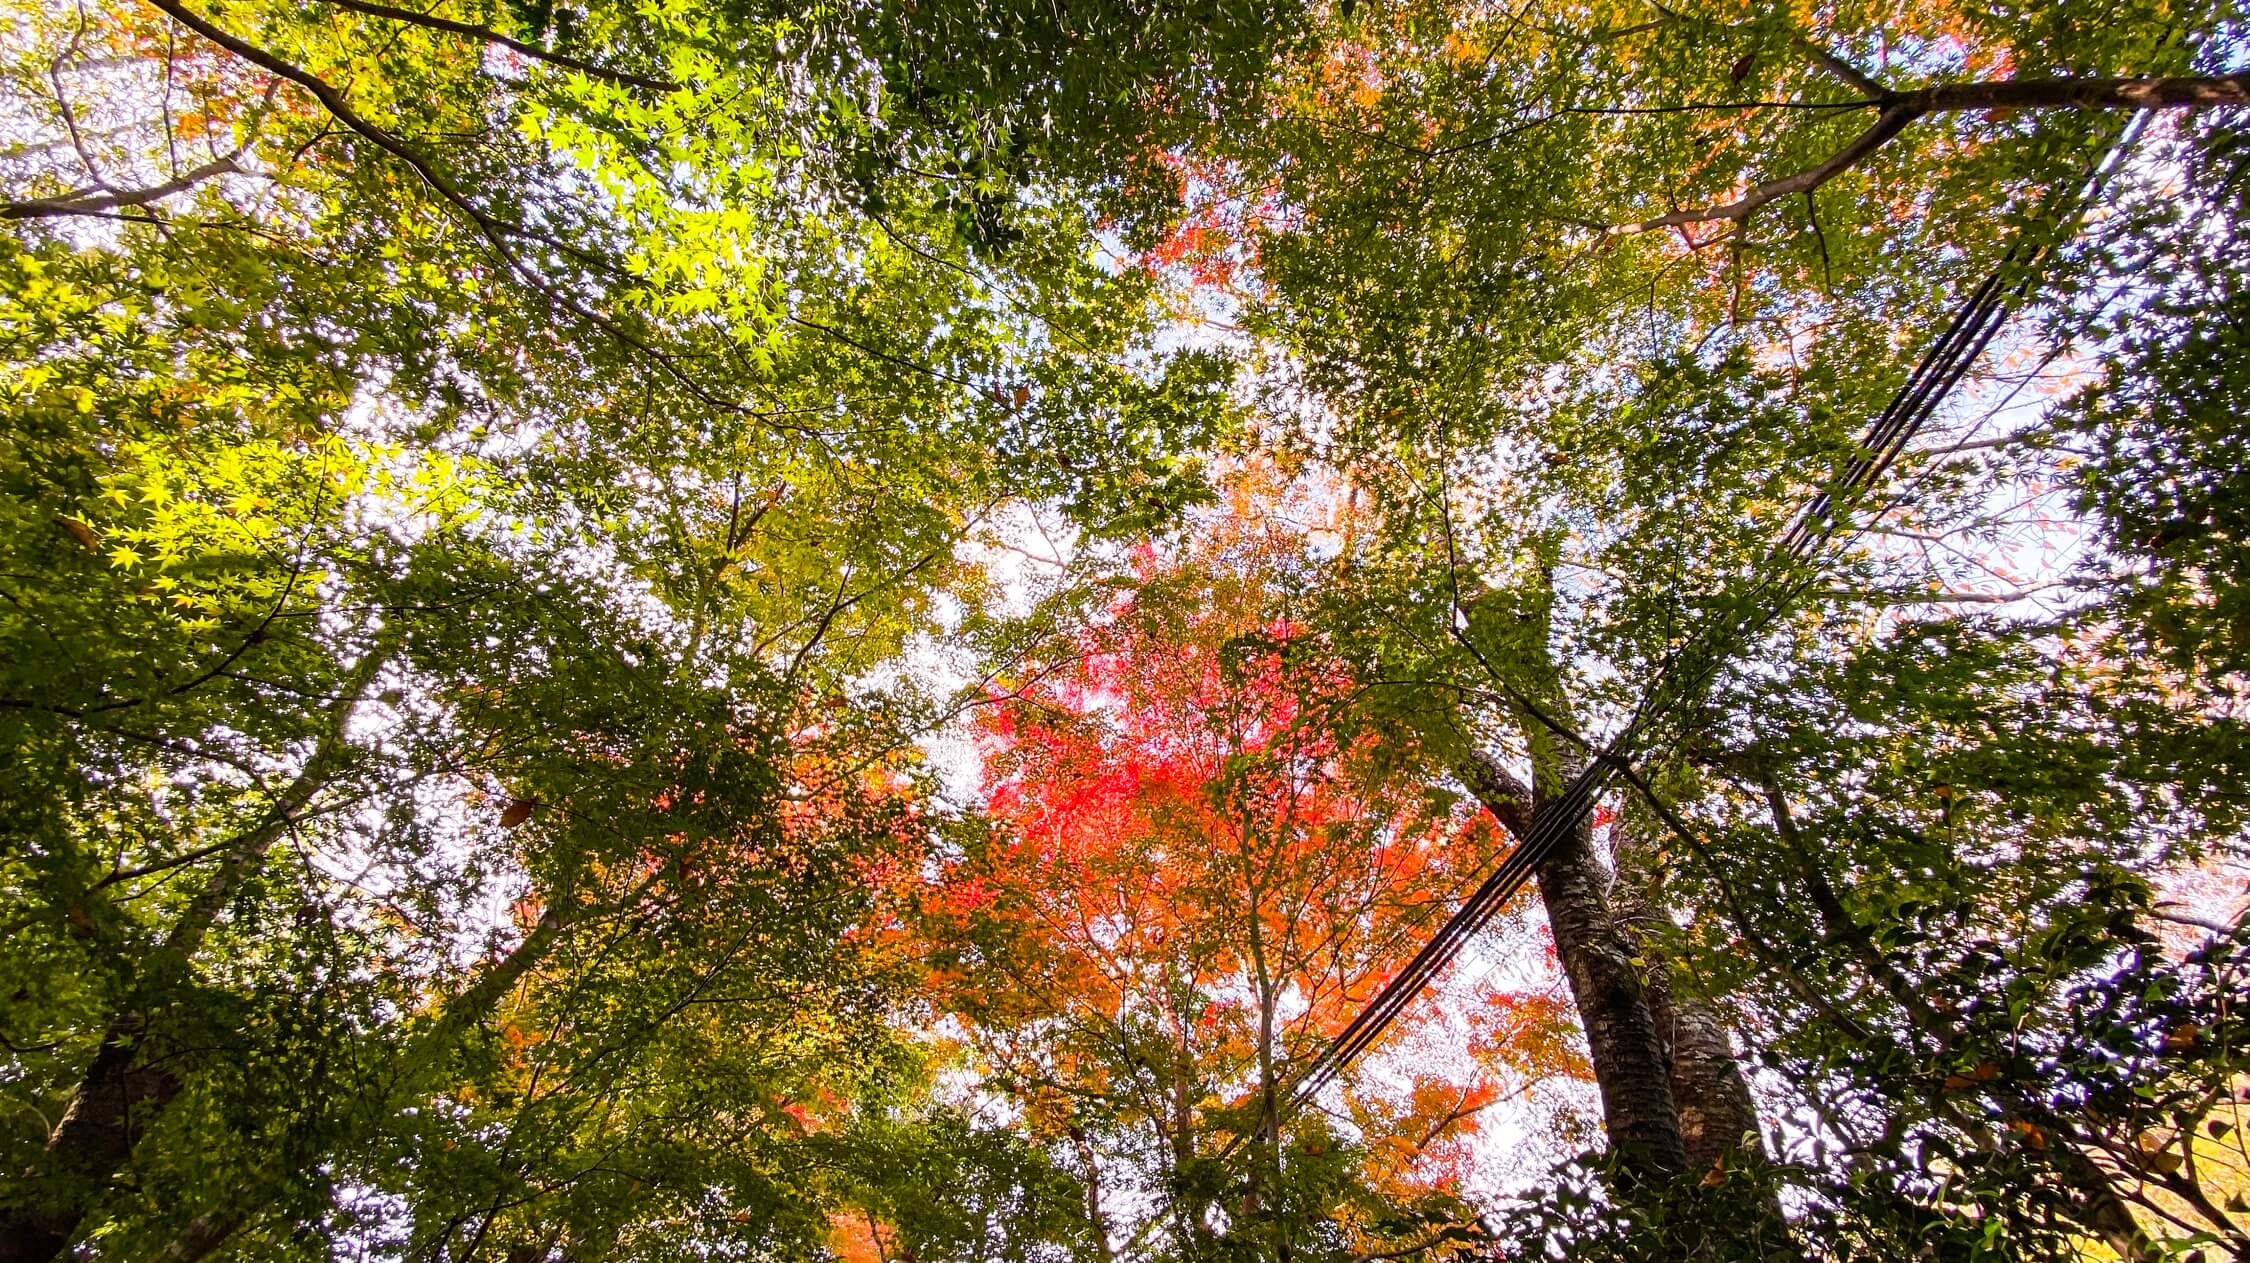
{"x": 519, "y": 810}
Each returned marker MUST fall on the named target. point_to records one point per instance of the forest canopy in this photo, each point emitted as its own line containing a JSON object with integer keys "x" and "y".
{"x": 1124, "y": 631}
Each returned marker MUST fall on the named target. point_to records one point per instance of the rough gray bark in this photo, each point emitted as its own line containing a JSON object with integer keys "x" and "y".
{"x": 1719, "y": 1124}
{"x": 1621, "y": 1033}
{"x": 1718, "y": 1118}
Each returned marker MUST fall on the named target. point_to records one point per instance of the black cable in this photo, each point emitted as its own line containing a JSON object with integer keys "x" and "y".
{"x": 1935, "y": 375}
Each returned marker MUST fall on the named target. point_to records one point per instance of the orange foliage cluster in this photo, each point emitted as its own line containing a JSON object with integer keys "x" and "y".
{"x": 1186, "y": 845}
{"x": 1216, "y": 238}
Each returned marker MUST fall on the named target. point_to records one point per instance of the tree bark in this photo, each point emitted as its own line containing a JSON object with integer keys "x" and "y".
{"x": 122, "y": 1090}
{"x": 1718, "y": 1118}
{"x": 1613, "y": 1009}
{"x": 202, "y": 1235}
{"x": 2177, "y": 92}
{"x": 1096, "y": 1218}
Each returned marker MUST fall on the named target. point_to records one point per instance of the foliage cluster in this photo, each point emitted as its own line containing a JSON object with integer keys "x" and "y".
{"x": 668, "y": 631}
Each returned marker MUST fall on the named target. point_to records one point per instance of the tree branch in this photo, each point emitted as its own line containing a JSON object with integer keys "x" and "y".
{"x": 1888, "y": 125}
{"x": 1850, "y": 74}
{"x": 1898, "y": 109}
{"x": 495, "y": 233}
{"x": 1842, "y": 926}
{"x": 52, "y": 207}
{"x": 1507, "y": 798}
{"x": 2178, "y": 92}
{"x": 490, "y": 36}
{"x": 1406, "y": 1252}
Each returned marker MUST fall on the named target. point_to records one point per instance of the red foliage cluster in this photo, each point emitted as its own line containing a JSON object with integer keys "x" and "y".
{"x": 1190, "y": 835}
{"x": 1216, "y": 238}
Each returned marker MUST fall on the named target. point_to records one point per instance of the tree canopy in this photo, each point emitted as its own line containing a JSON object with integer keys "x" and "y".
{"x": 1143, "y": 631}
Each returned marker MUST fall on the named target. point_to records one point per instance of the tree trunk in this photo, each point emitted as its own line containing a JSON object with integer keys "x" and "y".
{"x": 1095, "y": 1217}
{"x": 1621, "y": 1031}
{"x": 105, "y": 1118}
{"x": 1613, "y": 1009}
{"x": 1269, "y": 1106}
{"x": 1719, "y": 1125}
{"x": 122, "y": 1090}
{"x": 203, "y": 1234}
{"x": 1718, "y": 1118}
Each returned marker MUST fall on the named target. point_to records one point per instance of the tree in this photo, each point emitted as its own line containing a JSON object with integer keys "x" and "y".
{"x": 1191, "y": 873}
{"x": 453, "y": 458}
{"x": 1494, "y": 283}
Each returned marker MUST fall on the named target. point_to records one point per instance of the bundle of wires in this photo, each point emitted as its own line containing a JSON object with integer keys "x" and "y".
{"x": 1689, "y": 671}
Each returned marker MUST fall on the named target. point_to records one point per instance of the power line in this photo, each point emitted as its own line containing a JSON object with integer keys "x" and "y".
{"x": 1933, "y": 379}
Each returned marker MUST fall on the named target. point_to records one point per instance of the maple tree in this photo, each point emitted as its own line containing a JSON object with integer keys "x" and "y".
{"x": 1191, "y": 872}
{"x": 507, "y": 505}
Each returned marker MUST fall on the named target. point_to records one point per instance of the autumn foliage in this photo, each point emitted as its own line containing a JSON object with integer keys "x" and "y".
{"x": 1198, "y": 869}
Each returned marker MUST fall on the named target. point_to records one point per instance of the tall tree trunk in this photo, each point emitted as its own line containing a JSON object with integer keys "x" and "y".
{"x": 1269, "y": 1106}
{"x": 1718, "y": 1118}
{"x": 1621, "y": 1034}
{"x": 1719, "y": 1125}
{"x": 122, "y": 1090}
{"x": 1621, "y": 1031}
